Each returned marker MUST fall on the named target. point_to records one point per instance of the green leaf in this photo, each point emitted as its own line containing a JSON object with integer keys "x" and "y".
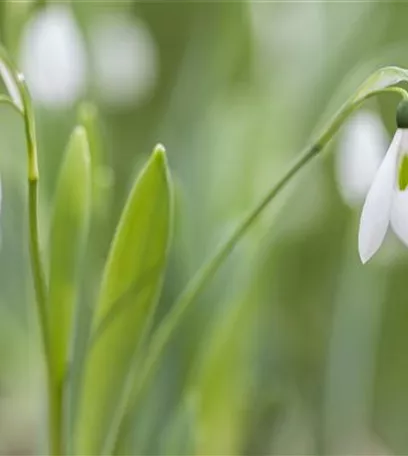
{"x": 223, "y": 379}
{"x": 88, "y": 116}
{"x": 179, "y": 436}
{"x": 69, "y": 228}
{"x": 102, "y": 177}
{"x": 129, "y": 291}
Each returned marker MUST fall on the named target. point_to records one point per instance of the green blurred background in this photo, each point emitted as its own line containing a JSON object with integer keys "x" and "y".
{"x": 296, "y": 348}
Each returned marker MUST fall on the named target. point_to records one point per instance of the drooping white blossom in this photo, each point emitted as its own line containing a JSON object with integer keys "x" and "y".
{"x": 53, "y": 57}
{"x": 124, "y": 57}
{"x": 387, "y": 200}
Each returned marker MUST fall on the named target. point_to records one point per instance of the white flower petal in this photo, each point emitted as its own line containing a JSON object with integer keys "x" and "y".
{"x": 53, "y": 57}
{"x": 399, "y": 215}
{"x": 361, "y": 148}
{"x": 376, "y": 213}
{"x": 125, "y": 59}
{"x": 399, "y": 211}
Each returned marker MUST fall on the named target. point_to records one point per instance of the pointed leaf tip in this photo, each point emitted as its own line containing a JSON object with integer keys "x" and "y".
{"x": 159, "y": 154}
{"x": 159, "y": 149}
{"x": 159, "y": 159}
{"x": 79, "y": 133}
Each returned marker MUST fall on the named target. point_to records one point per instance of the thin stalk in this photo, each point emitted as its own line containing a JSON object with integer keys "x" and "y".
{"x": 168, "y": 326}
{"x": 36, "y": 265}
{"x": 39, "y": 277}
{"x": 200, "y": 280}
{"x": 20, "y": 100}
{"x": 40, "y": 285}
{"x": 54, "y": 401}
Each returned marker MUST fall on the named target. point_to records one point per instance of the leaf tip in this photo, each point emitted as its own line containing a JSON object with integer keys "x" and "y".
{"x": 159, "y": 156}
{"x": 80, "y": 138}
{"x": 79, "y": 133}
{"x": 159, "y": 150}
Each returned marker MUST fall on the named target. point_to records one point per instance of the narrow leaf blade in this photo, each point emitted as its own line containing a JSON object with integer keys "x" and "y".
{"x": 129, "y": 290}
{"x": 69, "y": 228}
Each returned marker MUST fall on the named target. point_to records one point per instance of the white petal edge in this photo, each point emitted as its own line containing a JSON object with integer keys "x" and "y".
{"x": 376, "y": 213}
{"x": 399, "y": 215}
{"x": 399, "y": 210}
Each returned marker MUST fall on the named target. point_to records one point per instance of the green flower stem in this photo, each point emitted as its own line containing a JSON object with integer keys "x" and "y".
{"x": 20, "y": 101}
{"x": 54, "y": 401}
{"x": 40, "y": 285}
{"x": 36, "y": 265}
{"x": 166, "y": 329}
{"x": 168, "y": 326}
{"x": 398, "y": 90}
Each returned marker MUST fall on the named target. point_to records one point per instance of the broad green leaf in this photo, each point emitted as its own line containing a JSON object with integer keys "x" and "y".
{"x": 68, "y": 231}
{"x": 129, "y": 290}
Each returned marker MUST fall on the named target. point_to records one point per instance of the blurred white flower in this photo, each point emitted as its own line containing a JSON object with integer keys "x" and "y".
{"x": 125, "y": 59}
{"x": 53, "y": 57}
{"x": 387, "y": 200}
{"x": 362, "y": 143}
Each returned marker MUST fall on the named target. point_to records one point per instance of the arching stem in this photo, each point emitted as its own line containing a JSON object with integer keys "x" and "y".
{"x": 176, "y": 314}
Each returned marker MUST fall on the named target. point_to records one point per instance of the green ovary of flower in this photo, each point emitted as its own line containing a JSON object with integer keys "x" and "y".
{"x": 403, "y": 173}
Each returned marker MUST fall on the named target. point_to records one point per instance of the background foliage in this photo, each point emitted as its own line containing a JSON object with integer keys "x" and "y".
{"x": 296, "y": 348}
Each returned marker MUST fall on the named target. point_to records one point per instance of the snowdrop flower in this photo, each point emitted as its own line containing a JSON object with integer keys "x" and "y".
{"x": 53, "y": 57}
{"x": 361, "y": 147}
{"x": 387, "y": 199}
{"x": 125, "y": 59}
